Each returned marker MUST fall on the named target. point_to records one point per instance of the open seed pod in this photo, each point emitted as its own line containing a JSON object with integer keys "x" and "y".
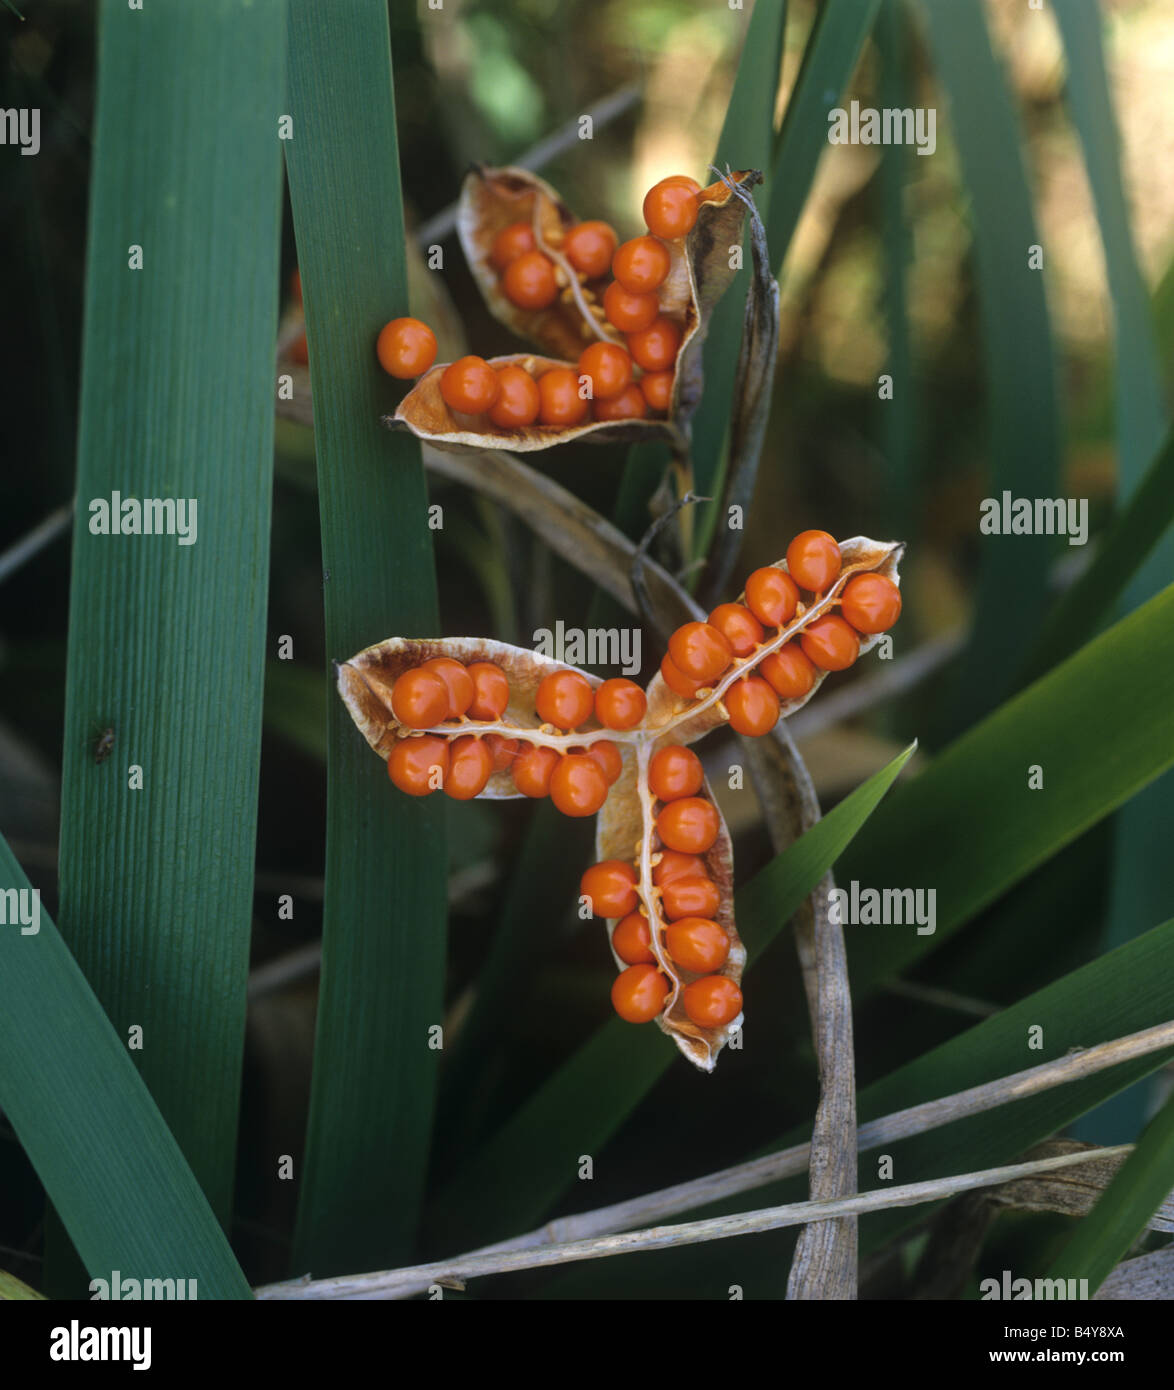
{"x": 424, "y": 411}
{"x": 626, "y": 831}
{"x": 691, "y": 719}
{"x": 664, "y": 880}
{"x": 366, "y": 681}
{"x": 700, "y": 270}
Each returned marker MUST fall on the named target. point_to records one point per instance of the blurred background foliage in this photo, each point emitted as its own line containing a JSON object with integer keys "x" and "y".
{"x": 481, "y": 81}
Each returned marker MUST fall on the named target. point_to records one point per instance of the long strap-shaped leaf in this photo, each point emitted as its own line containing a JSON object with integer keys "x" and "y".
{"x": 1024, "y": 440}
{"x": 166, "y": 637}
{"x": 384, "y": 914}
{"x": 89, "y": 1126}
{"x": 974, "y": 805}
{"x": 1141, "y": 881}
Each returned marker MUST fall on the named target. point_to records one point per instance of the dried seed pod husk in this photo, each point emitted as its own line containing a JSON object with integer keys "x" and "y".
{"x": 626, "y": 830}
{"x": 490, "y": 201}
{"x": 690, "y": 720}
{"x": 700, "y": 269}
{"x": 424, "y": 411}
{"x": 365, "y": 683}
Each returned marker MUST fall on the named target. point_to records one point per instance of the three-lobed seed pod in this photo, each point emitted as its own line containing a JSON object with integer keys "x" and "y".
{"x": 471, "y": 717}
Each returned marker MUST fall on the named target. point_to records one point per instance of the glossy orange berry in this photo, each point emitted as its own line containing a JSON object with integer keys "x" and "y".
{"x": 670, "y": 208}
{"x": 529, "y": 281}
{"x": 738, "y": 626}
{"x": 831, "y": 643}
{"x": 299, "y": 350}
{"x": 753, "y": 707}
{"x": 627, "y": 311}
{"x": 469, "y": 385}
{"x": 638, "y": 993}
{"x": 674, "y": 772}
{"x": 608, "y": 756}
{"x": 620, "y": 703}
{"x": 689, "y": 825}
{"x": 699, "y": 651}
{"x": 532, "y": 771}
{"x": 674, "y": 865}
{"x": 632, "y": 940}
{"x": 491, "y": 690}
{"x": 564, "y": 699}
{"x": 628, "y": 405}
{"x": 789, "y": 671}
{"x": 559, "y": 400}
{"x": 690, "y": 896}
{"x": 712, "y": 1002}
{"x": 813, "y": 558}
{"x": 642, "y": 264}
{"x": 419, "y": 765}
{"x": 510, "y": 243}
{"x": 697, "y": 943}
{"x": 689, "y": 183}
{"x": 504, "y": 750}
{"x": 655, "y": 348}
{"x": 658, "y": 389}
{"x": 608, "y": 368}
{"x": 772, "y": 596}
{"x": 589, "y": 246}
{"x": 871, "y": 603}
{"x": 578, "y": 786}
{"x": 677, "y": 681}
{"x": 517, "y": 401}
{"x": 405, "y": 348}
{"x": 457, "y": 680}
{"x": 611, "y": 887}
{"x": 469, "y": 766}
{"x": 419, "y": 699}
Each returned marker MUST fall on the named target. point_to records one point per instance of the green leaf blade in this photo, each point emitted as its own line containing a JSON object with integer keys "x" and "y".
{"x": 973, "y": 806}
{"x": 88, "y": 1123}
{"x": 385, "y": 906}
{"x": 167, "y": 633}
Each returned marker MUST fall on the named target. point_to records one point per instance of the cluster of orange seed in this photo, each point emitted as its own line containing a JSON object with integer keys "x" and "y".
{"x": 626, "y": 384}
{"x": 670, "y": 928}
{"x": 684, "y": 912}
{"x": 700, "y": 653}
{"x": 442, "y": 690}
